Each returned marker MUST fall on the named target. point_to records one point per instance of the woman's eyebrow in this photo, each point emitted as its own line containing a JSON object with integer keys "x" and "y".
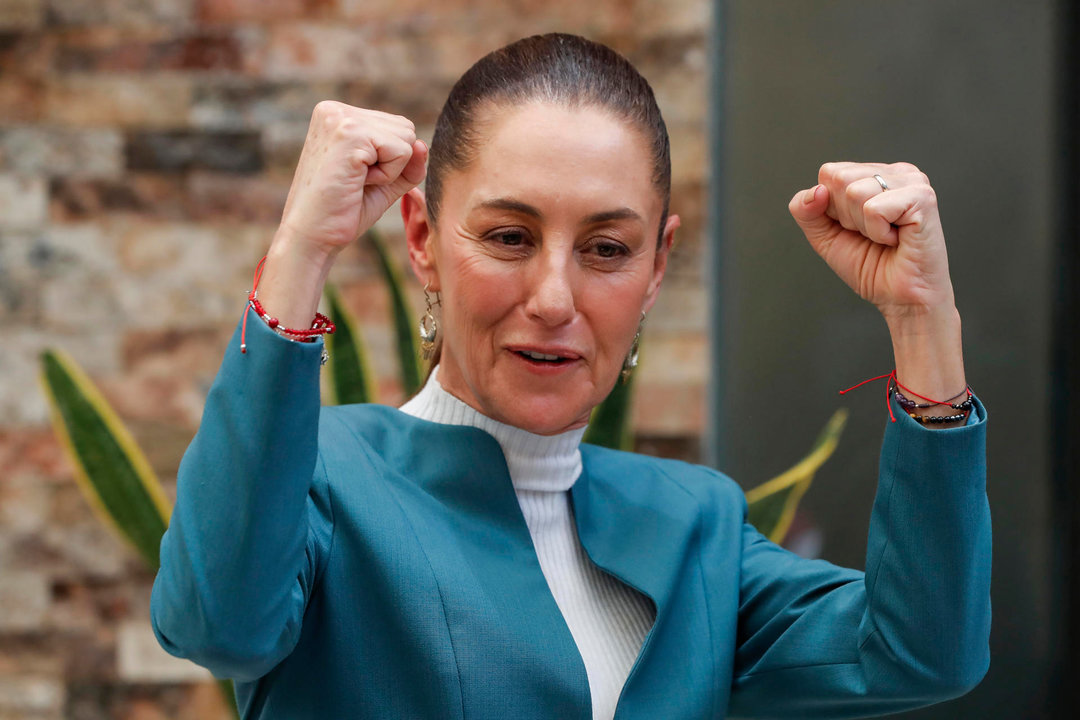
{"x": 511, "y": 205}
{"x": 623, "y": 213}
{"x": 503, "y": 203}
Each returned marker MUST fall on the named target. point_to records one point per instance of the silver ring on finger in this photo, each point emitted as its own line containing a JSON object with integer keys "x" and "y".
{"x": 881, "y": 181}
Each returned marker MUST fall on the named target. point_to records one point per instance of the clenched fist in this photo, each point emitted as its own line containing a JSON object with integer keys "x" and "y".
{"x": 355, "y": 164}
{"x": 887, "y": 245}
{"x": 877, "y": 227}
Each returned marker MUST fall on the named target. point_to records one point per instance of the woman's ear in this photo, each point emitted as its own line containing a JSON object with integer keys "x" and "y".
{"x": 419, "y": 238}
{"x": 667, "y": 240}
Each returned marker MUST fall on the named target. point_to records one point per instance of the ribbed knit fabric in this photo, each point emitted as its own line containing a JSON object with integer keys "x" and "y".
{"x": 608, "y": 619}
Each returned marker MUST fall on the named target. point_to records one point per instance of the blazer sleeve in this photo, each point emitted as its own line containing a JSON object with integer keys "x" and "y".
{"x": 252, "y": 519}
{"x": 817, "y": 641}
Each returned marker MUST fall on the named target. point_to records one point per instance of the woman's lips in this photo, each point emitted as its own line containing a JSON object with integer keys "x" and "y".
{"x": 546, "y": 359}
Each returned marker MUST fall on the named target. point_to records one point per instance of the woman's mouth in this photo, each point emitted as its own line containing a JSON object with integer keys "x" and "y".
{"x": 541, "y": 357}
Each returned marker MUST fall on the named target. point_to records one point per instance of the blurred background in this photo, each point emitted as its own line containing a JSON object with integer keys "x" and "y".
{"x": 146, "y": 149}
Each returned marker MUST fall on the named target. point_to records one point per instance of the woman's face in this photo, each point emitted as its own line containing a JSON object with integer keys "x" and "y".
{"x": 545, "y": 256}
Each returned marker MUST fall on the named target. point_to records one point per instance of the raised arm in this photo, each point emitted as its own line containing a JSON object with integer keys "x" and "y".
{"x": 819, "y": 641}
{"x": 877, "y": 226}
{"x": 253, "y": 516}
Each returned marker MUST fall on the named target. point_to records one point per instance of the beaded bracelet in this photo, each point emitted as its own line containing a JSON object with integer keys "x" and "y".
{"x": 321, "y": 325}
{"x": 908, "y": 404}
{"x": 936, "y": 419}
{"x": 893, "y": 387}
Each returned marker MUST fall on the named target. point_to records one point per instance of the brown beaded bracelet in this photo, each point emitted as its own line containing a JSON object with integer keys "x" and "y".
{"x": 937, "y": 419}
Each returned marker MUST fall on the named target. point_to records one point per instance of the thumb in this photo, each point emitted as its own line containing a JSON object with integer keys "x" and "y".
{"x": 808, "y": 208}
{"x": 413, "y": 172}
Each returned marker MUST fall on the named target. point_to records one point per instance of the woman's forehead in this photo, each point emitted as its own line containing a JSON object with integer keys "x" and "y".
{"x": 544, "y": 155}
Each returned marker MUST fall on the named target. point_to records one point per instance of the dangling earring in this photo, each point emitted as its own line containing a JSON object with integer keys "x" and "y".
{"x": 429, "y": 326}
{"x": 631, "y": 360}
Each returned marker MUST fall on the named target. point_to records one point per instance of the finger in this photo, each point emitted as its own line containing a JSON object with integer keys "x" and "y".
{"x": 808, "y": 208}
{"x": 415, "y": 171}
{"x": 851, "y": 185}
{"x": 392, "y": 154}
{"x": 911, "y": 208}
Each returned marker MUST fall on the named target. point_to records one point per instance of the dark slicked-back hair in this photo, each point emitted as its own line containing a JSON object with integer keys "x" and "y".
{"x": 563, "y": 69}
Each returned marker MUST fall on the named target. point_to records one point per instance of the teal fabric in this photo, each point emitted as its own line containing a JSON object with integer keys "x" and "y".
{"x": 356, "y": 562}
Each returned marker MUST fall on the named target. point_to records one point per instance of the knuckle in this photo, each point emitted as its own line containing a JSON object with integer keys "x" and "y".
{"x": 905, "y": 167}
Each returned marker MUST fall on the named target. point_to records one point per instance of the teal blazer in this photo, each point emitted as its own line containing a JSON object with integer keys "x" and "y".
{"x": 356, "y": 562}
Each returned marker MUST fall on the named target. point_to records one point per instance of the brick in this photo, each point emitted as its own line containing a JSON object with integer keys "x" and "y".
{"x": 26, "y": 55}
{"x": 420, "y": 99}
{"x": 23, "y": 202}
{"x": 242, "y": 105}
{"x": 668, "y": 410}
{"x": 21, "y": 100}
{"x": 263, "y": 11}
{"x": 140, "y": 658}
{"x": 186, "y": 275}
{"x": 182, "y": 150}
{"x": 52, "y": 152}
{"x": 307, "y": 51}
{"x": 103, "y": 51}
{"x": 689, "y": 151}
{"x": 24, "y": 595}
{"x": 83, "y": 100}
{"x": 37, "y": 697}
{"x": 20, "y": 279}
{"x": 24, "y": 502}
{"x": 281, "y": 146}
{"x": 146, "y": 194}
{"x": 673, "y": 357}
{"x": 681, "y": 307}
{"x": 121, "y": 13}
{"x": 220, "y": 197}
{"x": 664, "y": 17}
{"x": 21, "y": 14}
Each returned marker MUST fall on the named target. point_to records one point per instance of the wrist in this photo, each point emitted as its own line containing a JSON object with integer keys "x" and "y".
{"x": 927, "y": 347}
{"x": 293, "y": 278}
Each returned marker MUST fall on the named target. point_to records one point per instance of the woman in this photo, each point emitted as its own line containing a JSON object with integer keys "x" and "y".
{"x": 463, "y": 557}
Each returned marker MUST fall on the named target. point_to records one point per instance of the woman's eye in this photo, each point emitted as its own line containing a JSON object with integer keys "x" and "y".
{"x": 510, "y": 237}
{"x": 609, "y": 250}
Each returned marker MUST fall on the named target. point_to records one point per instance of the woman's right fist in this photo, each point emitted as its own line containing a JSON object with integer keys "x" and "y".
{"x": 355, "y": 164}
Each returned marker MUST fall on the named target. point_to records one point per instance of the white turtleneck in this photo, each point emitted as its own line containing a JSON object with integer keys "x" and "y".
{"x": 607, "y": 618}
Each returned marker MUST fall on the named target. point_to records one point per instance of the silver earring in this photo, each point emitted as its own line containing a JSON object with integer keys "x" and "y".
{"x": 429, "y": 326}
{"x": 631, "y": 360}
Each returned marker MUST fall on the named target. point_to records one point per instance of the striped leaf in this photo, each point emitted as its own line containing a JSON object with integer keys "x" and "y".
{"x": 404, "y": 328}
{"x": 772, "y": 504}
{"x": 349, "y": 375}
{"x": 110, "y": 469}
{"x": 609, "y": 424}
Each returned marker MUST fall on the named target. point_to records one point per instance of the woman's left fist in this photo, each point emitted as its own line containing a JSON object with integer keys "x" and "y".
{"x": 877, "y": 227}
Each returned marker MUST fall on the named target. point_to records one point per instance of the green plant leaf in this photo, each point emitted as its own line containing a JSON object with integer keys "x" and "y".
{"x": 350, "y": 379}
{"x": 228, "y": 691}
{"x": 771, "y": 505}
{"x": 609, "y": 424}
{"x": 404, "y": 330}
{"x": 110, "y": 469}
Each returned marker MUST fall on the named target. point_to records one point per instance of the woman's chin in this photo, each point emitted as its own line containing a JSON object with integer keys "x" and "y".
{"x": 544, "y": 416}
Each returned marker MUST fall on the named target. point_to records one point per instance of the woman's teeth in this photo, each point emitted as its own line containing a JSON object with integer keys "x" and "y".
{"x": 540, "y": 356}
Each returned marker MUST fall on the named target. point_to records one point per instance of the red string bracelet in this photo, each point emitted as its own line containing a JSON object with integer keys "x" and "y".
{"x": 321, "y": 325}
{"x": 893, "y": 380}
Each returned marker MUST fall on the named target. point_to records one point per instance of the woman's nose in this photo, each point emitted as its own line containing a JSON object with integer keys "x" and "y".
{"x": 551, "y": 297}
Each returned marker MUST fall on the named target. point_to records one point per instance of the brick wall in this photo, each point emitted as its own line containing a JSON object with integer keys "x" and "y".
{"x": 146, "y": 148}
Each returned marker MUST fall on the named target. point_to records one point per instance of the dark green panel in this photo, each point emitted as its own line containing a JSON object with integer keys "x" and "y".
{"x": 965, "y": 90}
